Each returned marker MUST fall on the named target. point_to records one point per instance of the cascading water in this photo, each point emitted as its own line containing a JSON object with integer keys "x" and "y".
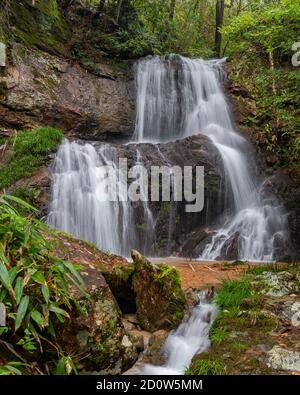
{"x": 81, "y": 203}
{"x": 176, "y": 98}
{"x": 180, "y": 97}
{"x": 190, "y": 338}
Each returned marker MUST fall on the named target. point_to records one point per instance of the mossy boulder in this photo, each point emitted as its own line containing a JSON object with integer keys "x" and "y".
{"x": 160, "y": 301}
{"x": 97, "y": 332}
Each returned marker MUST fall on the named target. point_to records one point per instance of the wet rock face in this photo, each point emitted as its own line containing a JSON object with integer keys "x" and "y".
{"x": 159, "y": 298}
{"x": 155, "y": 353}
{"x": 285, "y": 184}
{"x": 177, "y": 231}
{"x": 45, "y": 90}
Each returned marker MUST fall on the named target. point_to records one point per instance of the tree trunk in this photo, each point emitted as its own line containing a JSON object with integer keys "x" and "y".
{"x": 172, "y": 9}
{"x": 220, "y": 5}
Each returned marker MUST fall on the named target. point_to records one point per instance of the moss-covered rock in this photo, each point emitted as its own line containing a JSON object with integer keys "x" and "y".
{"x": 99, "y": 335}
{"x": 96, "y": 332}
{"x": 42, "y": 25}
{"x": 160, "y": 300}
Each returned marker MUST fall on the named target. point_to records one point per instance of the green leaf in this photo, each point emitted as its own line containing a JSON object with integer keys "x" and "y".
{"x": 19, "y": 201}
{"x": 77, "y": 285}
{"x": 38, "y": 277}
{"x": 4, "y": 276}
{"x": 38, "y": 318}
{"x": 61, "y": 368}
{"x": 75, "y": 273}
{"x": 46, "y": 293}
{"x": 13, "y": 274}
{"x": 21, "y": 311}
{"x": 19, "y": 289}
{"x": 58, "y": 310}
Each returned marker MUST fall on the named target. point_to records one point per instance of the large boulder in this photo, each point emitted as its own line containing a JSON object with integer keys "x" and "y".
{"x": 97, "y": 332}
{"x": 160, "y": 300}
{"x": 173, "y": 225}
{"x": 99, "y": 335}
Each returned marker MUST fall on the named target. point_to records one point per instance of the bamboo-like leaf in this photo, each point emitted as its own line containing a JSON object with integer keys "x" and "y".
{"x": 13, "y": 274}
{"x": 19, "y": 289}
{"x": 19, "y": 201}
{"x": 4, "y": 276}
{"x": 38, "y": 277}
{"x": 38, "y": 318}
{"x": 78, "y": 286}
{"x": 58, "y": 310}
{"x": 61, "y": 368}
{"x": 46, "y": 293}
{"x": 21, "y": 311}
{"x": 75, "y": 273}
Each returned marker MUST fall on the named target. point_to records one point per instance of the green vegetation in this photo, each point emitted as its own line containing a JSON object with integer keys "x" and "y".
{"x": 206, "y": 367}
{"x": 26, "y": 153}
{"x": 275, "y": 268}
{"x": 263, "y": 35}
{"x": 35, "y": 290}
{"x": 27, "y": 194}
{"x": 41, "y": 25}
{"x": 244, "y": 322}
{"x": 232, "y": 293}
{"x": 252, "y": 32}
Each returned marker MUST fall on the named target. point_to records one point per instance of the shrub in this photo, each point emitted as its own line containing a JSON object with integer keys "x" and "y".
{"x": 34, "y": 285}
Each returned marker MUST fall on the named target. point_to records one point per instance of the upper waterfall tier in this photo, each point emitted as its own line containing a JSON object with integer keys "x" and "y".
{"x": 179, "y": 97}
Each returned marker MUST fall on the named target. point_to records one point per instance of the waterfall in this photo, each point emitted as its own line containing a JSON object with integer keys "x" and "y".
{"x": 181, "y": 97}
{"x": 81, "y": 203}
{"x": 176, "y": 97}
{"x": 190, "y": 338}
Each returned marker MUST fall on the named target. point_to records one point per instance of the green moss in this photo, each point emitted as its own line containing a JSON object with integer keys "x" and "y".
{"x": 241, "y": 324}
{"x": 275, "y": 268}
{"x": 29, "y": 152}
{"x": 169, "y": 273}
{"x": 42, "y": 26}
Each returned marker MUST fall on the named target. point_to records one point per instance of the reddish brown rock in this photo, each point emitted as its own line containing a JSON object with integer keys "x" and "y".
{"x": 43, "y": 89}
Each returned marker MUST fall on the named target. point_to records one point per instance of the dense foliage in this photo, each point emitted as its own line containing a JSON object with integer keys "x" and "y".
{"x": 263, "y": 36}
{"x": 35, "y": 290}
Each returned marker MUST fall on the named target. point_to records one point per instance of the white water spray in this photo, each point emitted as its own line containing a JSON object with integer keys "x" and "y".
{"x": 176, "y": 98}
{"x": 190, "y": 338}
{"x": 180, "y": 97}
{"x": 81, "y": 203}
